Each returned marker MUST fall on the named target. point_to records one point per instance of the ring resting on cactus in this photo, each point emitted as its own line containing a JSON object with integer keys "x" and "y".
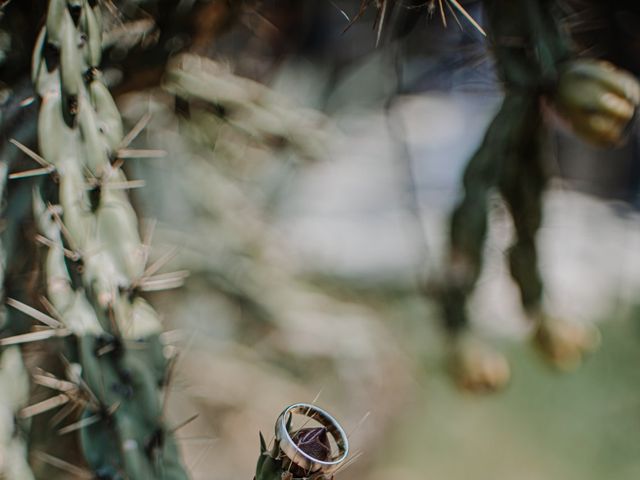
{"x": 306, "y": 453}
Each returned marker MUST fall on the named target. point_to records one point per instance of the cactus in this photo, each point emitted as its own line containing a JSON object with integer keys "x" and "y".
{"x": 535, "y": 61}
{"x": 95, "y": 259}
{"x": 95, "y": 268}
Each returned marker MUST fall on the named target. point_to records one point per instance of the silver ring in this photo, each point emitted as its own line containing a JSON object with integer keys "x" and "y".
{"x": 296, "y": 454}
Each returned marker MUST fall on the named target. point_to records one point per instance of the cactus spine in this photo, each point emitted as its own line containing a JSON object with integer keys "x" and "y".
{"x": 598, "y": 101}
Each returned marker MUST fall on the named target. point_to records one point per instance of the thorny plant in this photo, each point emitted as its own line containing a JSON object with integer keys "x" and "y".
{"x": 95, "y": 266}
{"x": 537, "y": 63}
{"x": 597, "y": 101}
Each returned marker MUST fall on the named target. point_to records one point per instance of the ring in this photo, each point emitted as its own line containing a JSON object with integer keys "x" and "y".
{"x": 300, "y": 457}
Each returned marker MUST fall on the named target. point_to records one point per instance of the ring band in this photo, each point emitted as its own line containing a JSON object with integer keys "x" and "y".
{"x": 296, "y": 454}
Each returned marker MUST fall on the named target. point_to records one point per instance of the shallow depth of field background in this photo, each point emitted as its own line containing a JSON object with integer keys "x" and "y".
{"x": 305, "y": 243}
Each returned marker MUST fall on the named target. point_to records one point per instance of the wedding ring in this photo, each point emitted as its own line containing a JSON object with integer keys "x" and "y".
{"x": 302, "y": 459}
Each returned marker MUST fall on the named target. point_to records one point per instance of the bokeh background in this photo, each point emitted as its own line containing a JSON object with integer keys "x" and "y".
{"x": 304, "y": 180}
{"x": 307, "y": 216}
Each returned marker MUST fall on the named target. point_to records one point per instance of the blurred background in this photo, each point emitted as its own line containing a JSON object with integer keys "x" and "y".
{"x": 307, "y": 168}
{"x": 306, "y": 207}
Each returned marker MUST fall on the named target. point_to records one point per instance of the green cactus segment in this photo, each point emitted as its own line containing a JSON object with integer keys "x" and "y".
{"x": 274, "y": 465}
{"x": 95, "y": 255}
{"x": 530, "y": 48}
{"x": 127, "y": 434}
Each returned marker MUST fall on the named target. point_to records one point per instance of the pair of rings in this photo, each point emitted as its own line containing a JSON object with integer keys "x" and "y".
{"x": 299, "y": 457}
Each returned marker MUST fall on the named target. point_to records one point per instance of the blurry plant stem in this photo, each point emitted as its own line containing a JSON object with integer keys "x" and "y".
{"x": 510, "y": 156}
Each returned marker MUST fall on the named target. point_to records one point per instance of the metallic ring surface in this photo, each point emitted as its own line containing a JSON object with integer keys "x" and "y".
{"x": 296, "y": 454}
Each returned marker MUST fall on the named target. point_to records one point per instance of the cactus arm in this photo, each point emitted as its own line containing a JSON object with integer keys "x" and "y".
{"x": 95, "y": 256}
{"x": 469, "y": 220}
{"x": 529, "y": 46}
